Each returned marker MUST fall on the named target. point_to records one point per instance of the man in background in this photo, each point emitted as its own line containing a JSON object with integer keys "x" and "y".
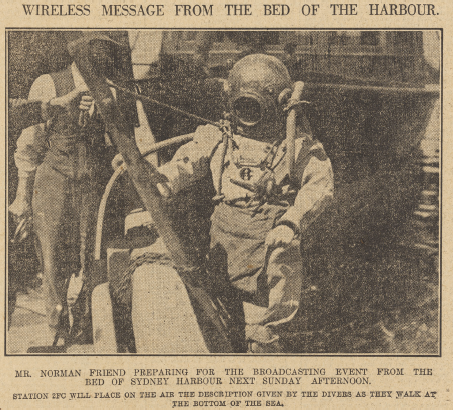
{"x": 63, "y": 166}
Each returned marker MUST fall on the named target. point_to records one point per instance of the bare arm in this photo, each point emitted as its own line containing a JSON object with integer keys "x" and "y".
{"x": 31, "y": 147}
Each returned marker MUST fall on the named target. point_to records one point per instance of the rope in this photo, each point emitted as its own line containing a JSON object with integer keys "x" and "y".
{"x": 170, "y": 107}
{"x": 121, "y": 289}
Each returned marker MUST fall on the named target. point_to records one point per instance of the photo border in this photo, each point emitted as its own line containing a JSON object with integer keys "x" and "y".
{"x": 7, "y": 30}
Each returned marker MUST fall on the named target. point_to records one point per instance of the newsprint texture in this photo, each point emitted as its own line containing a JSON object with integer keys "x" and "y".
{"x": 239, "y": 205}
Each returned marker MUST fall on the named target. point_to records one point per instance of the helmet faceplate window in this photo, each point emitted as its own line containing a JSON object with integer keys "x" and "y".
{"x": 247, "y": 110}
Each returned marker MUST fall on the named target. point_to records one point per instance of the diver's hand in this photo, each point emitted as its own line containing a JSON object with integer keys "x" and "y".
{"x": 280, "y": 236}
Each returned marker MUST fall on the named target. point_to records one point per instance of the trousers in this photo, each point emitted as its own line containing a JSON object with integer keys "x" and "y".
{"x": 64, "y": 220}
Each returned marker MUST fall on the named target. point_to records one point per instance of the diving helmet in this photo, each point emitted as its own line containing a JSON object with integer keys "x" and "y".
{"x": 258, "y": 88}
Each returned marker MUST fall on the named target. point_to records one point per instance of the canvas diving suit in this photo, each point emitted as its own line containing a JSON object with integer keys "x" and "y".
{"x": 270, "y": 279}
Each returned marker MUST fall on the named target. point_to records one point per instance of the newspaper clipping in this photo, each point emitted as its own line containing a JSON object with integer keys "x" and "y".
{"x": 232, "y": 205}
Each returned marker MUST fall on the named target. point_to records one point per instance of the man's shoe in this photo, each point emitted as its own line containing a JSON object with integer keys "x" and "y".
{"x": 265, "y": 348}
{"x": 62, "y": 329}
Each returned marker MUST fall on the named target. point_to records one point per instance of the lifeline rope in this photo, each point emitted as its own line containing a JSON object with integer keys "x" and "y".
{"x": 171, "y": 107}
{"x": 120, "y": 290}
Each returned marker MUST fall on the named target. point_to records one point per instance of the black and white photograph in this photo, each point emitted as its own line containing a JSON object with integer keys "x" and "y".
{"x": 223, "y": 192}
